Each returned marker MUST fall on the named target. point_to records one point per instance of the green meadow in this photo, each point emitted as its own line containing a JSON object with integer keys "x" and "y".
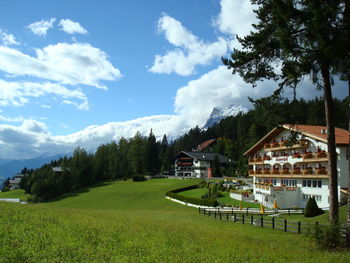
{"x": 129, "y": 221}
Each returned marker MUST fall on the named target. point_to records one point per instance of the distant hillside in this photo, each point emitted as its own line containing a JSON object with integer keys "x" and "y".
{"x": 9, "y": 168}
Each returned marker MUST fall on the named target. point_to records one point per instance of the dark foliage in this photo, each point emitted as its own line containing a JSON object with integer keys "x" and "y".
{"x": 312, "y": 209}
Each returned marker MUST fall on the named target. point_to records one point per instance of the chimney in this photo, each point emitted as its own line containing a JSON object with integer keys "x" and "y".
{"x": 323, "y": 131}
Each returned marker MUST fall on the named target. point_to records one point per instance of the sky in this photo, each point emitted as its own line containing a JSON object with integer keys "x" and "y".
{"x": 85, "y": 72}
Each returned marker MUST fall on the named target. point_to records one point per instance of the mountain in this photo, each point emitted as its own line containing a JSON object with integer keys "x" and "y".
{"x": 221, "y": 113}
{"x": 9, "y": 168}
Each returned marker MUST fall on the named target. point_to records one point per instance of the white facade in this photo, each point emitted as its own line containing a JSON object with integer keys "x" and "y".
{"x": 290, "y": 175}
{"x": 196, "y": 164}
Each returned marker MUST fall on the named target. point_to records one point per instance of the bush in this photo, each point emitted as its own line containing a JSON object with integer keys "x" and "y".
{"x": 312, "y": 209}
{"x": 196, "y": 201}
{"x": 139, "y": 178}
{"x": 326, "y": 237}
{"x": 5, "y": 189}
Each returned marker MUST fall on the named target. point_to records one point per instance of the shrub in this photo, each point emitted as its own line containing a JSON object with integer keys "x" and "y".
{"x": 5, "y": 189}
{"x": 196, "y": 201}
{"x": 325, "y": 237}
{"x": 139, "y": 178}
{"x": 312, "y": 209}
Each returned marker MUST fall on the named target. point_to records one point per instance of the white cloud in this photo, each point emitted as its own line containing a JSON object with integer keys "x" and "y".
{"x": 46, "y": 106}
{"x": 7, "y": 119}
{"x": 8, "y": 39}
{"x": 189, "y": 52}
{"x": 41, "y": 27}
{"x": 66, "y": 63}
{"x": 72, "y": 27}
{"x": 18, "y": 93}
{"x": 235, "y": 18}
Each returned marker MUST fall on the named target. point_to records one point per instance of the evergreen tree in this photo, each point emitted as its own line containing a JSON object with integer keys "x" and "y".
{"x": 303, "y": 37}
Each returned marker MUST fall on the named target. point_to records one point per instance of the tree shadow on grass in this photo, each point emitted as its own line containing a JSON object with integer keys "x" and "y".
{"x": 77, "y": 192}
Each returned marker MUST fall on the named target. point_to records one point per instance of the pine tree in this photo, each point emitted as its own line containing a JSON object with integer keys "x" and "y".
{"x": 304, "y": 38}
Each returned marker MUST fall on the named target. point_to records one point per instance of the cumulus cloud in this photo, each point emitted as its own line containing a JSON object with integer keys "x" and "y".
{"x": 31, "y": 138}
{"x": 18, "y": 93}
{"x": 235, "y": 18}
{"x": 76, "y": 63}
{"x": 41, "y": 27}
{"x": 190, "y": 51}
{"x": 72, "y": 27}
{"x": 8, "y": 39}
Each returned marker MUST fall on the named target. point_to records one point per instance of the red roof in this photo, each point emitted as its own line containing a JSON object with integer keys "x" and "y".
{"x": 205, "y": 144}
{"x": 319, "y": 132}
{"x": 316, "y": 132}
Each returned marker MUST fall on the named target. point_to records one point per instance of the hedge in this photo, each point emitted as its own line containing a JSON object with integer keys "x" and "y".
{"x": 196, "y": 201}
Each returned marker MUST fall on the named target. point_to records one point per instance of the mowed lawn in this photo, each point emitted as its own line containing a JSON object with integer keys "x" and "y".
{"x": 133, "y": 222}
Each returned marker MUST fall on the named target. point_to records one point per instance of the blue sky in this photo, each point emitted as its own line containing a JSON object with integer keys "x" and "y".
{"x": 80, "y": 73}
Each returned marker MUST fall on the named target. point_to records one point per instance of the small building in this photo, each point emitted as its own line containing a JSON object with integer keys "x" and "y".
{"x": 197, "y": 164}
{"x": 14, "y": 182}
{"x": 291, "y": 174}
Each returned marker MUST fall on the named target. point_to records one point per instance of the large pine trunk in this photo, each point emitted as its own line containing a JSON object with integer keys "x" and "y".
{"x": 348, "y": 156}
{"x": 332, "y": 155}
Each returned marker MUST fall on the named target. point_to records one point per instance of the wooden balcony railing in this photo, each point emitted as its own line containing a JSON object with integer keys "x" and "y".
{"x": 267, "y": 158}
{"x": 322, "y": 154}
{"x": 266, "y": 171}
{"x": 308, "y": 171}
{"x": 307, "y": 155}
{"x": 296, "y": 171}
{"x": 285, "y": 171}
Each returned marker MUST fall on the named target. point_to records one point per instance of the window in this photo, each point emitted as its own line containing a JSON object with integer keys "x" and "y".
{"x": 274, "y": 181}
{"x": 307, "y": 197}
{"x": 312, "y": 183}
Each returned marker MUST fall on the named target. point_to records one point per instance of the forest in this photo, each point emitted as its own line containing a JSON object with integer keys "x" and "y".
{"x": 145, "y": 155}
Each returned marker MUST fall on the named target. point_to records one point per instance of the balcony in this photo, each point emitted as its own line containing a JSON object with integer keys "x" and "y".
{"x": 296, "y": 171}
{"x": 266, "y": 171}
{"x": 322, "y": 171}
{"x": 267, "y": 158}
{"x": 251, "y": 172}
{"x": 285, "y": 171}
{"x": 308, "y": 171}
{"x": 308, "y": 155}
{"x": 255, "y": 160}
{"x": 296, "y": 155}
{"x": 322, "y": 154}
{"x": 276, "y": 171}
{"x": 276, "y": 146}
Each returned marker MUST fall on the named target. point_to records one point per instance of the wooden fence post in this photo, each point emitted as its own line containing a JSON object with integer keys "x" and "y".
{"x": 247, "y": 210}
{"x": 220, "y": 215}
{"x": 234, "y": 217}
{"x": 215, "y": 214}
{"x": 285, "y": 225}
{"x": 252, "y": 220}
{"x": 273, "y": 223}
{"x": 242, "y": 218}
{"x": 227, "y": 217}
{"x": 262, "y": 221}
{"x": 299, "y": 227}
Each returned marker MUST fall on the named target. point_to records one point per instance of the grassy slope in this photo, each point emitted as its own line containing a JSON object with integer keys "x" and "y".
{"x": 15, "y": 194}
{"x": 133, "y": 222}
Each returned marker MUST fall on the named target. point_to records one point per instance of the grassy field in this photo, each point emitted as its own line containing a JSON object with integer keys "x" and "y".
{"x": 15, "y": 194}
{"x": 133, "y": 222}
{"x": 226, "y": 199}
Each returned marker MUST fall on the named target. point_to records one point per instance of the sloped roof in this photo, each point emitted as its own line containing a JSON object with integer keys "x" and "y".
{"x": 341, "y": 136}
{"x": 205, "y": 144}
{"x": 202, "y": 156}
{"x": 315, "y": 132}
